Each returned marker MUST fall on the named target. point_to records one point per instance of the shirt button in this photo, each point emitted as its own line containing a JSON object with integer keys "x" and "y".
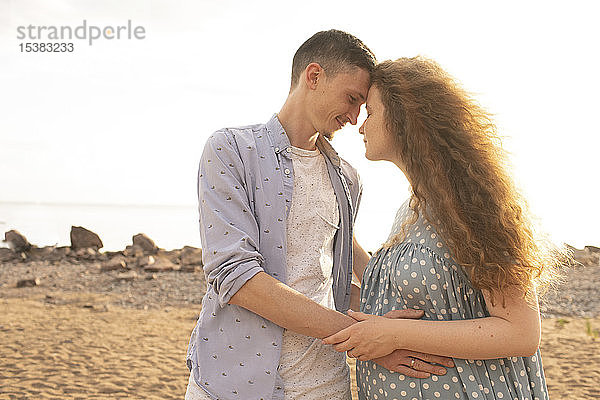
{"x": 276, "y": 149}
{"x": 287, "y": 171}
{"x": 289, "y": 149}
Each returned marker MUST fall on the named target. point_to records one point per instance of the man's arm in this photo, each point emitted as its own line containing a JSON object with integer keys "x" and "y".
{"x": 354, "y": 297}
{"x": 288, "y": 308}
{"x": 360, "y": 259}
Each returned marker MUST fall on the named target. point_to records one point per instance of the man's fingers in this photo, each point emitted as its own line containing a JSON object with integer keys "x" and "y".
{"x": 337, "y": 337}
{"x": 403, "y": 369}
{"x": 357, "y": 315}
{"x": 344, "y": 346}
{"x": 431, "y": 358}
{"x": 421, "y": 365}
{"x": 408, "y": 313}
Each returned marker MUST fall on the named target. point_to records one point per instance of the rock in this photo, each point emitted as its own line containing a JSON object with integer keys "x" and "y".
{"x": 63, "y": 251}
{"x": 145, "y": 260}
{"x": 592, "y": 249}
{"x": 145, "y": 243}
{"x": 88, "y": 254}
{"x": 172, "y": 255}
{"x": 162, "y": 264}
{"x": 82, "y": 238}
{"x": 133, "y": 251}
{"x": 191, "y": 268}
{"x": 191, "y": 256}
{"x": 114, "y": 265}
{"x": 48, "y": 253}
{"x": 7, "y": 254}
{"x": 28, "y": 282}
{"x": 127, "y": 276}
{"x": 586, "y": 257}
{"x": 151, "y": 277}
{"x": 16, "y": 241}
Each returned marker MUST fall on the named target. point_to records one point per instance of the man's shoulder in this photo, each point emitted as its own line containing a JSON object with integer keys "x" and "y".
{"x": 236, "y": 137}
{"x": 233, "y": 132}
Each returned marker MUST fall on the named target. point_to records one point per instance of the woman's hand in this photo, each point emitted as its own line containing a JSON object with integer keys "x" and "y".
{"x": 372, "y": 337}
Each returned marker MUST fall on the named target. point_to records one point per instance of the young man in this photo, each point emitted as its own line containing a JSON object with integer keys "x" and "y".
{"x": 277, "y": 206}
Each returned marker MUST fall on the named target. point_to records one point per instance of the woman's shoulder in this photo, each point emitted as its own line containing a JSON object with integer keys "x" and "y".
{"x": 424, "y": 235}
{"x": 420, "y": 231}
{"x": 402, "y": 215}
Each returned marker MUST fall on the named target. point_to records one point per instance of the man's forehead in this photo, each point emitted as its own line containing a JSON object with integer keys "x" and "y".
{"x": 357, "y": 80}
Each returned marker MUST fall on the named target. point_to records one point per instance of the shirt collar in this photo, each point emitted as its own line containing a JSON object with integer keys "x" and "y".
{"x": 279, "y": 138}
{"x": 281, "y": 141}
{"x": 327, "y": 149}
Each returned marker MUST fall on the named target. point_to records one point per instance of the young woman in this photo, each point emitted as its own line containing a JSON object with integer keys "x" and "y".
{"x": 461, "y": 249}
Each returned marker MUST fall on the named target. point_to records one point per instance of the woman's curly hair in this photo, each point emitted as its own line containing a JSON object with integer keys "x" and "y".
{"x": 453, "y": 158}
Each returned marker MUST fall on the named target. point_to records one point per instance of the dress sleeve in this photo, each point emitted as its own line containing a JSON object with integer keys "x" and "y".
{"x": 228, "y": 227}
{"x": 445, "y": 291}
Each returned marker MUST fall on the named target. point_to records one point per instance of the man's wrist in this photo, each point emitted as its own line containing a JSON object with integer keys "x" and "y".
{"x": 394, "y": 329}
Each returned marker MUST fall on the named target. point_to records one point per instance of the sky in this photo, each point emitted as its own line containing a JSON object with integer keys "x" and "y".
{"x": 124, "y": 121}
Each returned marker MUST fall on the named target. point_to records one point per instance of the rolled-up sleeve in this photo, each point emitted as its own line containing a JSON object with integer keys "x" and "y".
{"x": 228, "y": 228}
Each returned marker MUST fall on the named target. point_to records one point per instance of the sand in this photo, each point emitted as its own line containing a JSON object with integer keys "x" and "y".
{"x": 72, "y": 347}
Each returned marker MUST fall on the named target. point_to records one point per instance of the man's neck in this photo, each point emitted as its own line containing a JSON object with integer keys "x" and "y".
{"x": 296, "y": 125}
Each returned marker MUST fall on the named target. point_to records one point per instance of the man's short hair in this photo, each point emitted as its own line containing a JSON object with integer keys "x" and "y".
{"x": 334, "y": 51}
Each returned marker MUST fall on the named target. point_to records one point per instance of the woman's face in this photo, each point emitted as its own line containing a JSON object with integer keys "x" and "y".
{"x": 379, "y": 143}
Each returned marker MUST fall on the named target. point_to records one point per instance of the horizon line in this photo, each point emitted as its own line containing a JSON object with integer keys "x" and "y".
{"x": 51, "y": 203}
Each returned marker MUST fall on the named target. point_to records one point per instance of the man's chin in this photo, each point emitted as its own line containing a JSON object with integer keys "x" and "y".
{"x": 328, "y": 135}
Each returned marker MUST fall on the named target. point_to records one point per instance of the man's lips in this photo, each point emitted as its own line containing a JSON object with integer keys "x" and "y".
{"x": 340, "y": 123}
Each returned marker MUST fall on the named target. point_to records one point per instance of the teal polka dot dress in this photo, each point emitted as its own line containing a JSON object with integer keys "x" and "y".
{"x": 419, "y": 273}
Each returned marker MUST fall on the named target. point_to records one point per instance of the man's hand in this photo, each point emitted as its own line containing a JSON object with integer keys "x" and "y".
{"x": 414, "y": 364}
{"x": 402, "y": 360}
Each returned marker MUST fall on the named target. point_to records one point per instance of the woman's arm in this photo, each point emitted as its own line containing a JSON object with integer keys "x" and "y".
{"x": 512, "y": 330}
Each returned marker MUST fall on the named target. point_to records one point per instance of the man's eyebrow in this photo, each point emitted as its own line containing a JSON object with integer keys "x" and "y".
{"x": 362, "y": 98}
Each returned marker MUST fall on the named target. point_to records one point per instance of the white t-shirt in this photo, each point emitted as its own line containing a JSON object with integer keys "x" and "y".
{"x": 309, "y": 369}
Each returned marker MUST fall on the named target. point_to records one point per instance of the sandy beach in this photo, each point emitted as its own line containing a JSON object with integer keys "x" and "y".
{"x": 85, "y": 331}
{"x": 78, "y": 349}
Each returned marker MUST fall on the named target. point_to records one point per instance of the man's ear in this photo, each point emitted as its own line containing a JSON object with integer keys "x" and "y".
{"x": 312, "y": 74}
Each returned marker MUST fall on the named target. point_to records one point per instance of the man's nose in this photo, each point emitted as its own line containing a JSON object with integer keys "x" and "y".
{"x": 361, "y": 130}
{"x": 353, "y": 115}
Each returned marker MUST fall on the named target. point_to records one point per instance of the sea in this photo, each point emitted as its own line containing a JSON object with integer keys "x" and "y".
{"x": 170, "y": 226}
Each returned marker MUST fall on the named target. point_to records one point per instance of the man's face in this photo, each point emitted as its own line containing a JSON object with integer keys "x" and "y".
{"x": 337, "y": 100}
